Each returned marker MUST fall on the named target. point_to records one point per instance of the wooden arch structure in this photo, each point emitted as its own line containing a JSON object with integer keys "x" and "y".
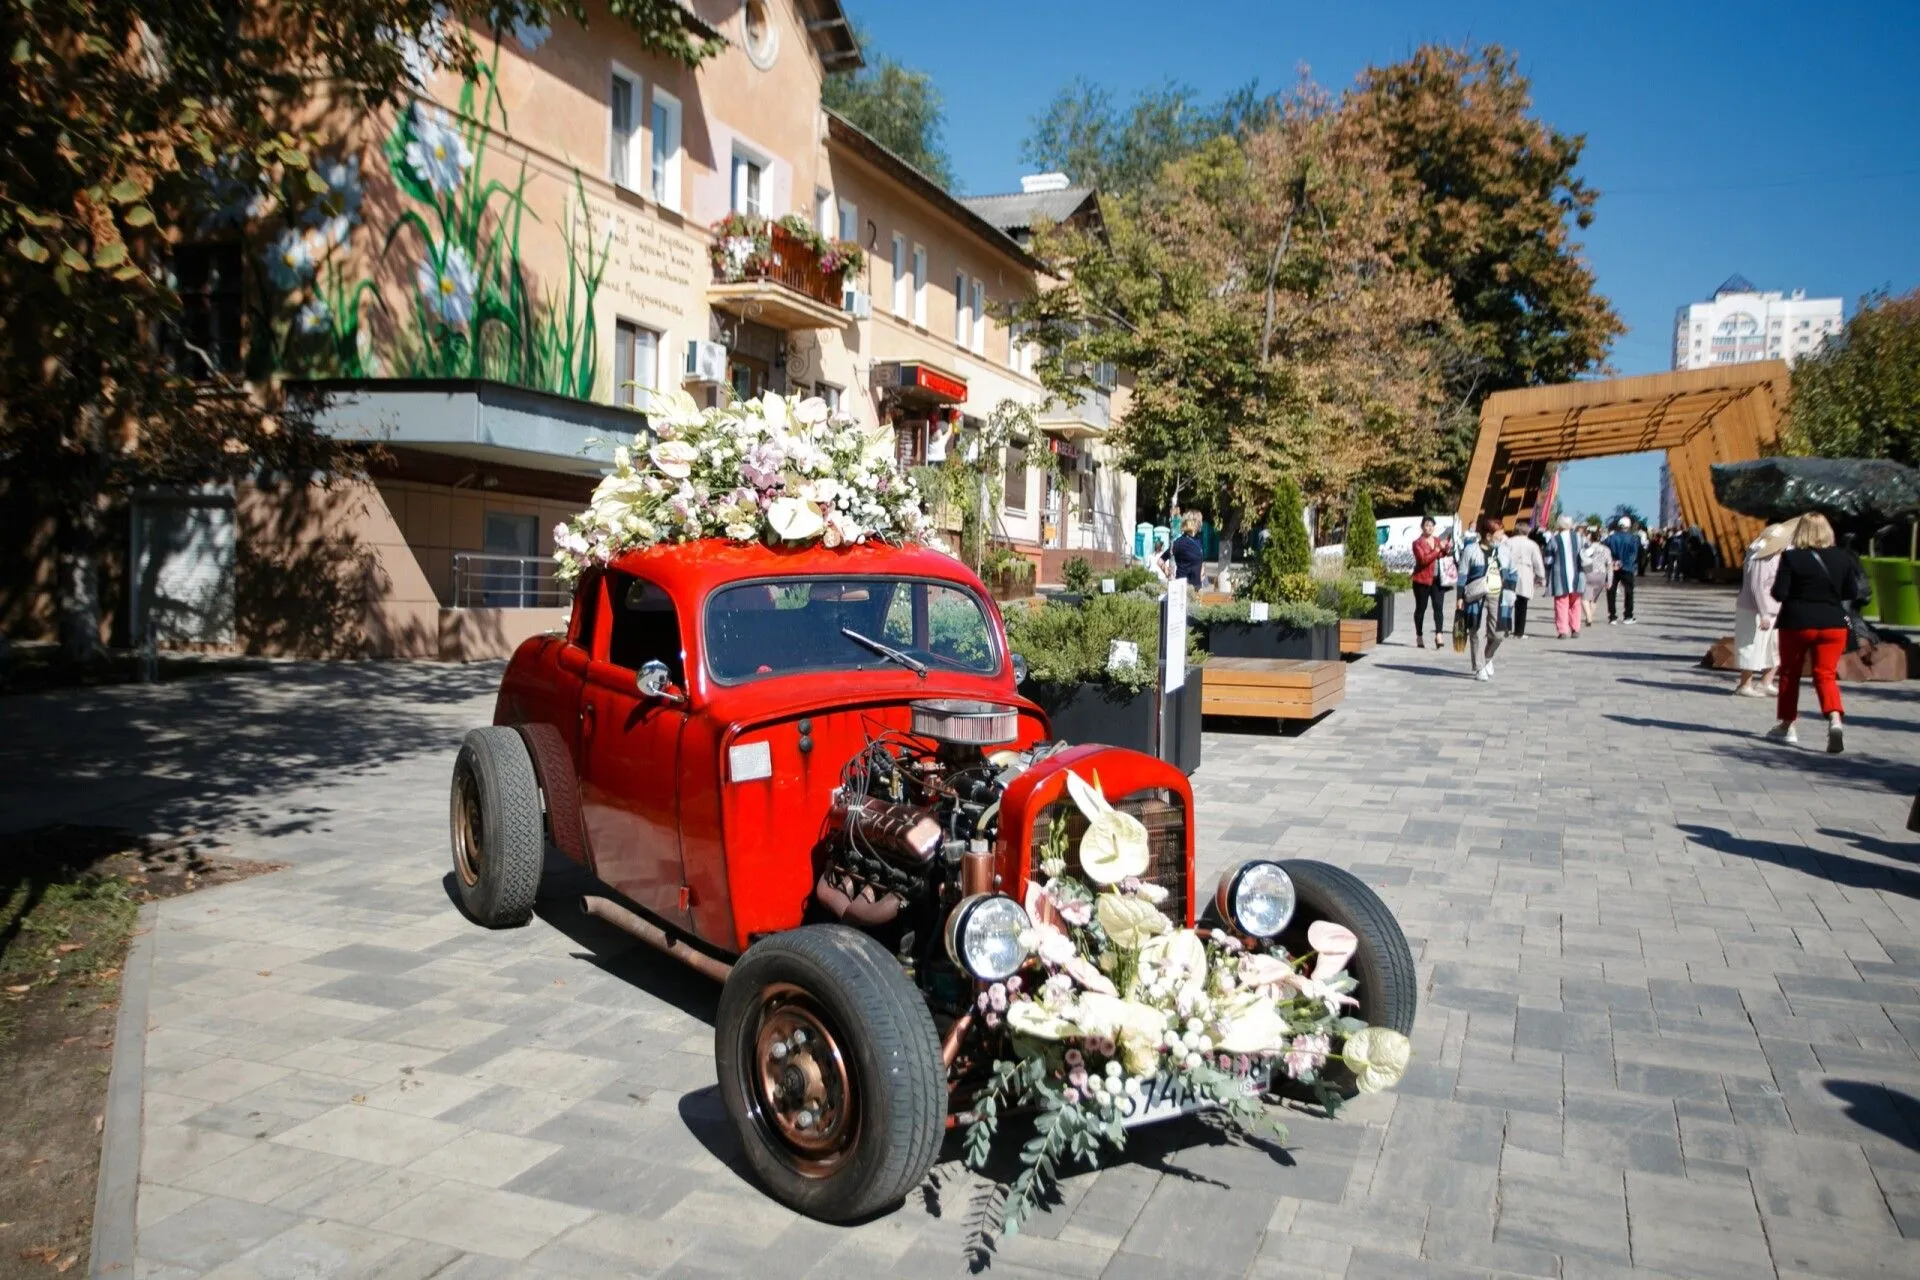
{"x": 1699, "y": 417}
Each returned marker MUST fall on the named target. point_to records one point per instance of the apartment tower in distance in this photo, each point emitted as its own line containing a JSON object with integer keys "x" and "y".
{"x": 1740, "y": 323}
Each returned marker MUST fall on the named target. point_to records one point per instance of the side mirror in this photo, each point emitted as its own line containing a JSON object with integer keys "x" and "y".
{"x": 654, "y": 682}
{"x": 1019, "y": 670}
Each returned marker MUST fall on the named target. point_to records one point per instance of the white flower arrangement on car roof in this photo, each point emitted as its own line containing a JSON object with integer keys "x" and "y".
{"x": 775, "y": 469}
{"x": 1119, "y": 997}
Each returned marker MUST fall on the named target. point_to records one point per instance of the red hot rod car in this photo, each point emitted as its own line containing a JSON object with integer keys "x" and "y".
{"x": 808, "y": 773}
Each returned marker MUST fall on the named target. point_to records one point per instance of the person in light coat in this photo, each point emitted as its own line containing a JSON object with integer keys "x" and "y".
{"x": 1756, "y": 641}
{"x": 1529, "y": 567}
{"x": 1597, "y": 563}
{"x": 1565, "y": 578}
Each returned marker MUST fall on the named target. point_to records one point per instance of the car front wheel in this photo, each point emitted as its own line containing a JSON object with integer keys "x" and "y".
{"x": 830, "y": 1072}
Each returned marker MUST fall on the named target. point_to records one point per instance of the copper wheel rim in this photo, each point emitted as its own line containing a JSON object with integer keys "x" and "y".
{"x": 798, "y": 1083}
{"x": 468, "y": 828}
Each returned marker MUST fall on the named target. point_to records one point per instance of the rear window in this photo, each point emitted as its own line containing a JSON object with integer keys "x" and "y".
{"x": 795, "y": 625}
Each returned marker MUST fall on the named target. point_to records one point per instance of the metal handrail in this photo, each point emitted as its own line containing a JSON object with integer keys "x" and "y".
{"x": 484, "y": 580}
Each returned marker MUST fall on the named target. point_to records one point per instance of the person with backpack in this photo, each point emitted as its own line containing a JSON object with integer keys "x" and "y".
{"x": 1818, "y": 584}
{"x": 1625, "y": 546}
{"x": 1481, "y": 569}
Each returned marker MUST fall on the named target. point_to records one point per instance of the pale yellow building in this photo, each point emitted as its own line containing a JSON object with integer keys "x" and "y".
{"x": 508, "y": 267}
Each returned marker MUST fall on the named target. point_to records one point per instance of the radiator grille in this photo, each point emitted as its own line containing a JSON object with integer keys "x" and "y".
{"x": 1166, "y": 823}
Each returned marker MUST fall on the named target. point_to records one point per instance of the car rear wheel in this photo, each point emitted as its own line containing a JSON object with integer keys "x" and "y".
{"x": 498, "y": 840}
{"x": 830, "y": 1072}
{"x": 1389, "y": 990}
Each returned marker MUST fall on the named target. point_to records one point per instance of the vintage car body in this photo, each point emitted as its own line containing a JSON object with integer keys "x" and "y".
{"x": 769, "y": 798}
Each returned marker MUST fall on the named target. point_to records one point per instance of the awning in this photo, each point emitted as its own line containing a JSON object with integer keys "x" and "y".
{"x": 916, "y": 381}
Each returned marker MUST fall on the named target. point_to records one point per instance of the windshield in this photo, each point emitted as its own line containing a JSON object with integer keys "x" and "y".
{"x": 801, "y": 624}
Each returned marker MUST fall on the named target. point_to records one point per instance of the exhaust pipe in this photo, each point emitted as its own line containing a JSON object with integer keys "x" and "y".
{"x": 656, "y": 937}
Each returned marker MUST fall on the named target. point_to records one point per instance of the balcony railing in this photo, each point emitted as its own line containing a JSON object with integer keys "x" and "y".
{"x": 1092, "y": 413}
{"x": 789, "y": 261}
{"x": 482, "y": 580}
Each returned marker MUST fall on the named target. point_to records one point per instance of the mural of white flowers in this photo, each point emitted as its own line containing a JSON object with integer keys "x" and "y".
{"x": 336, "y": 212}
{"x": 438, "y": 155}
{"x": 447, "y": 286}
{"x": 290, "y": 258}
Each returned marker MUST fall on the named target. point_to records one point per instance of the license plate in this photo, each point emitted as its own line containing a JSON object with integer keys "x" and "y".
{"x": 1165, "y": 1097}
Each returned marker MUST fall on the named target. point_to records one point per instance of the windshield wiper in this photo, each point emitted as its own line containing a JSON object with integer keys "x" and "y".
{"x": 886, "y": 651}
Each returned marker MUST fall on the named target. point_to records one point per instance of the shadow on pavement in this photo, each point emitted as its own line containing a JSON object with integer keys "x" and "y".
{"x": 1837, "y": 867}
{"x": 1888, "y": 1112}
{"x": 1900, "y": 850}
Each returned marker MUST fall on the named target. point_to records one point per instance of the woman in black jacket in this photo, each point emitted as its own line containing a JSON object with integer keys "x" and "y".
{"x": 1816, "y": 584}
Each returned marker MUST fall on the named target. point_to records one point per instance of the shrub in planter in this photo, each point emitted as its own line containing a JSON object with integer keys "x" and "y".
{"x": 1288, "y": 554}
{"x": 1077, "y": 575}
{"x": 1363, "y": 539}
{"x": 1345, "y": 597}
{"x": 1136, "y": 577}
{"x": 1008, "y": 574}
{"x": 1292, "y": 630}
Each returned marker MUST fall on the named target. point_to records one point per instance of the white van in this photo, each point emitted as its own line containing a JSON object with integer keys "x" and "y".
{"x": 1397, "y": 534}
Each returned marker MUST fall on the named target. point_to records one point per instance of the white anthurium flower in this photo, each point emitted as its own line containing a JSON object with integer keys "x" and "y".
{"x": 811, "y": 412}
{"x": 1128, "y": 921}
{"x": 448, "y": 286}
{"x": 794, "y": 520}
{"x": 1250, "y": 1026}
{"x": 1378, "y": 1058}
{"x": 1313, "y": 989}
{"x": 1333, "y": 945}
{"x": 1179, "y": 953}
{"x": 1139, "y": 1051}
{"x": 1105, "y": 1015}
{"x": 1030, "y": 1018}
{"x": 1115, "y": 845}
{"x": 438, "y": 155}
{"x": 772, "y": 408}
{"x": 879, "y": 447}
{"x": 674, "y": 458}
{"x": 1262, "y": 970}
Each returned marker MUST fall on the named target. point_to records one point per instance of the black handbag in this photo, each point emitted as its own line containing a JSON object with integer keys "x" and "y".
{"x": 1860, "y": 636}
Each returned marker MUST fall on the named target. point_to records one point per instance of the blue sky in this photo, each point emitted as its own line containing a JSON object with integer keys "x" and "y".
{"x": 1778, "y": 140}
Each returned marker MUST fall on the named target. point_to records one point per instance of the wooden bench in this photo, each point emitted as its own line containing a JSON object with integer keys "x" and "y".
{"x": 1358, "y": 636}
{"x": 1275, "y": 688}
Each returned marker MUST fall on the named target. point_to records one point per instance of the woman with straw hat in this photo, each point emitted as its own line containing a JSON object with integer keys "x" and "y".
{"x": 1756, "y": 641}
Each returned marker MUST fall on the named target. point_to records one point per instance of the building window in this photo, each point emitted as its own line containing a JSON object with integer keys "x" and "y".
{"x": 849, "y": 221}
{"x": 920, "y": 286}
{"x": 910, "y": 444}
{"x": 666, "y": 149}
{"x": 823, "y": 211}
{"x": 623, "y": 106}
{"x": 1015, "y": 493}
{"x": 831, "y": 394}
{"x": 205, "y": 338}
{"x": 636, "y": 364}
{"x": 762, "y": 37}
{"x": 962, "y": 322}
{"x": 1083, "y": 494}
{"x": 900, "y": 284}
{"x": 749, "y": 183}
{"x": 979, "y": 317}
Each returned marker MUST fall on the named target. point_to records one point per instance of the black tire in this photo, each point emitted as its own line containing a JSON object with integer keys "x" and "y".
{"x": 1389, "y": 990}
{"x": 499, "y": 841}
{"x": 884, "y": 1121}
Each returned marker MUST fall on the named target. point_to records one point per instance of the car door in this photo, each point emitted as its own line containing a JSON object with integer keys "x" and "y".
{"x": 630, "y": 748}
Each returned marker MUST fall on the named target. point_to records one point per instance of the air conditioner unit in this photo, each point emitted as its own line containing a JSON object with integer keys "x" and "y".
{"x": 857, "y": 304}
{"x": 706, "y": 361}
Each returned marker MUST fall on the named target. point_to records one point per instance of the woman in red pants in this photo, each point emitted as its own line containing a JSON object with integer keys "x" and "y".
{"x": 1816, "y": 584}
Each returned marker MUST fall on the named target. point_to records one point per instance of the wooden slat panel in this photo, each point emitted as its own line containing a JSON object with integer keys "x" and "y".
{"x": 1271, "y": 673}
{"x": 1358, "y": 635}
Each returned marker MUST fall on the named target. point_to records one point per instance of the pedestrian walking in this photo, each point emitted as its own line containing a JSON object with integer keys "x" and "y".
{"x": 1480, "y": 589}
{"x": 1597, "y": 563}
{"x": 1188, "y": 553}
{"x": 1433, "y": 569}
{"x": 1756, "y": 641}
{"x": 1816, "y": 584}
{"x": 1528, "y": 567}
{"x": 1626, "y": 561}
{"x": 1565, "y": 577}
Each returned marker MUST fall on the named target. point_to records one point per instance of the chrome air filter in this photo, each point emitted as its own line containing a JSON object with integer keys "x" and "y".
{"x": 965, "y": 723}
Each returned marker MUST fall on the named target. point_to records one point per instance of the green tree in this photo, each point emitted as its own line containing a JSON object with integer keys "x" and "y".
{"x": 128, "y": 121}
{"x": 1859, "y": 395}
{"x": 1086, "y": 135}
{"x": 1499, "y": 202}
{"x": 1363, "y": 543}
{"x": 1285, "y": 571}
{"x": 896, "y": 105}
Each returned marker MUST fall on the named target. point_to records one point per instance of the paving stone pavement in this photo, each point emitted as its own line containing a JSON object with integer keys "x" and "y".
{"x": 1669, "y": 1025}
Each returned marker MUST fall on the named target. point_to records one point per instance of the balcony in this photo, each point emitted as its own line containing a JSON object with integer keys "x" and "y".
{"x": 1088, "y": 418}
{"x": 769, "y": 275}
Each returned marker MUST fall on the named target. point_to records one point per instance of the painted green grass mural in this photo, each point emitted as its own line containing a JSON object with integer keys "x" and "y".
{"x": 474, "y": 310}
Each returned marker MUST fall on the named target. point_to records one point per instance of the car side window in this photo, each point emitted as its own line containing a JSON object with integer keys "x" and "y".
{"x": 586, "y": 600}
{"x": 646, "y": 627}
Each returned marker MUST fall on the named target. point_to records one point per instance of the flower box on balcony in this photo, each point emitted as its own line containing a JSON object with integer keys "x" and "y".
{"x": 784, "y": 271}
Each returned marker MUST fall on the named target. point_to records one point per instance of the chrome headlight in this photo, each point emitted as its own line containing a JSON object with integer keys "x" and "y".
{"x": 1256, "y": 898}
{"x": 983, "y": 936}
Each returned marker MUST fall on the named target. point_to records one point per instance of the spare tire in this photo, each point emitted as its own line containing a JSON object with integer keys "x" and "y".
{"x": 1389, "y": 990}
{"x": 499, "y": 840}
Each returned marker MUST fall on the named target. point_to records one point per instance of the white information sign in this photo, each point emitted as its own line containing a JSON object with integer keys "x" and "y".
{"x": 1370, "y": 587}
{"x": 1106, "y": 586}
{"x": 1257, "y": 611}
{"x": 1173, "y": 637}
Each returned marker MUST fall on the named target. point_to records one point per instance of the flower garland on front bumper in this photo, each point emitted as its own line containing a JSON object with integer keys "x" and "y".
{"x": 1118, "y": 998}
